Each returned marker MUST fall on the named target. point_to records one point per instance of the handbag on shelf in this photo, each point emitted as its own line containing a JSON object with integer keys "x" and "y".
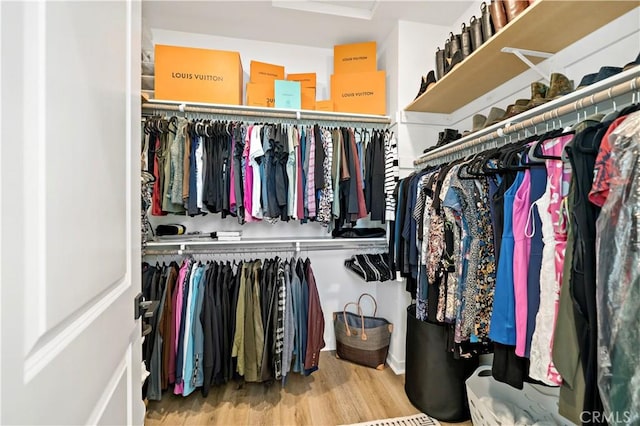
{"x": 362, "y": 339}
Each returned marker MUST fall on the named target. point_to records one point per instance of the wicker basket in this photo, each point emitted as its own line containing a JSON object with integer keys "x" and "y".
{"x": 362, "y": 339}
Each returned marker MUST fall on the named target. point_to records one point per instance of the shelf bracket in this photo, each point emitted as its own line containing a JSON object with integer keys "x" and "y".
{"x": 522, "y": 55}
{"x": 297, "y": 248}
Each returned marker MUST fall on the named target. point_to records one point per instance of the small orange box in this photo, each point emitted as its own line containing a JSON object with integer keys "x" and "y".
{"x": 308, "y": 98}
{"x": 265, "y": 73}
{"x": 306, "y": 80}
{"x": 260, "y": 94}
{"x": 198, "y": 75}
{"x": 324, "y": 105}
{"x": 356, "y": 57}
{"x": 362, "y": 93}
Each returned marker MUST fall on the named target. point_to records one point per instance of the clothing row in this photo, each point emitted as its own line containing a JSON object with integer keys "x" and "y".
{"x": 511, "y": 249}
{"x": 258, "y": 320}
{"x": 270, "y": 172}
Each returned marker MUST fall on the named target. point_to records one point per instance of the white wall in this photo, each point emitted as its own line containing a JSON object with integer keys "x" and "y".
{"x": 295, "y": 58}
{"x": 418, "y": 44}
{"x": 388, "y": 52}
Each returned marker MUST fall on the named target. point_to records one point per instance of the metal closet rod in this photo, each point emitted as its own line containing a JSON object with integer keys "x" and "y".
{"x": 225, "y": 251}
{"x": 291, "y": 115}
{"x": 553, "y": 114}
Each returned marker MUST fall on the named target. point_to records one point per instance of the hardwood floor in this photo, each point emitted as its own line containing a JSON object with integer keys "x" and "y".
{"x": 338, "y": 393}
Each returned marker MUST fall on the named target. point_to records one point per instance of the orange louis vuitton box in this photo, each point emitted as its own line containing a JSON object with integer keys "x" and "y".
{"x": 198, "y": 75}
{"x": 306, "y": 79}
{"x": 324, "y": 106}
{"x": 362, "y": 93}
{"x": 308, "y": 98}
{"x": 260, "y": 94}
{"x": 261, "y": 72}
{"x": 356, "y": 57}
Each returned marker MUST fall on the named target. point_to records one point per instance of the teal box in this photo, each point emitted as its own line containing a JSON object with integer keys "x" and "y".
{"x": 288, "y": 94}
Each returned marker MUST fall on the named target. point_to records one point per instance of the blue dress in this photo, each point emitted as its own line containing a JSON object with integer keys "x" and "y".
{"x": 503, "y": 318}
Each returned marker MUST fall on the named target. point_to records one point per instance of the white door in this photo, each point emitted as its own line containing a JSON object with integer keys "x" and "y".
{"x": 70, "y": 115}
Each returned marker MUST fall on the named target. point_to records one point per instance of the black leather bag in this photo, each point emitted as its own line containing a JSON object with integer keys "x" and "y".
{"x": 434, "y": 380}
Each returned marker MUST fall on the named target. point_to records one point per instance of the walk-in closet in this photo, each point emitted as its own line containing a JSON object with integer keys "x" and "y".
{"x": 316, "y": 212}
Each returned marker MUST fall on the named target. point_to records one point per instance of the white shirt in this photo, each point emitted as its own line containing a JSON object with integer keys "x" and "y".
{"x": 255, "y": 151}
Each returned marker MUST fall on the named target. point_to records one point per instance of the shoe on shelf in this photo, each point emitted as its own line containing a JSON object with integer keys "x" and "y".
{"x": 632, "y": 64}
{"x": 479, "y": 121}
{"x": 495, "y": 116}
{"x": 606, "y": 72}
{"x": 456, "y": 59}
{"x": 602, "y": 74}
{"x": 445, "y": 137}
{"x": 423, "y": 87}
{"x": 440, "y": 61}
{"x": 559, "y": 85}
{"x": 520, "y": 106}
{"x": 431, "y": 78}
{"x": 513, "y": 8}
{"x": 538, "y": 94}
{"x": 498, "y": 14}
{"x": 587, "y": 80}
{"x": 425, "y": 82}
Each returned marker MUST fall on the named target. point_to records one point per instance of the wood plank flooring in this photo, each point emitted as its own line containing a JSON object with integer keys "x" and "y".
{"x": 338, "y": 393}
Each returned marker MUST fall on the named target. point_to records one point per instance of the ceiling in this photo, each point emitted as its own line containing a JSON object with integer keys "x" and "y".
{"x": 318, "y": 23}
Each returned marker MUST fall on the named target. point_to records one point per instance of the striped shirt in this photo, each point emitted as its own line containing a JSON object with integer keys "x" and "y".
{"x": 391, "y": 174}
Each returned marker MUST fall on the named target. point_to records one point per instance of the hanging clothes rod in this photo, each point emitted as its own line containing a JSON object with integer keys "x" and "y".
{"x": 235, "y": 251}
{"x": 247, "y": 111}
{"x": 249, "y": 245}
{"x": 540, "y": 115}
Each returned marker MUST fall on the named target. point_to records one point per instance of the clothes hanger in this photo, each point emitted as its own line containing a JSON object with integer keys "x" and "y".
{"x": 173, "y": 125}
{"x": 536, "y": 153}
{"x": 549, "y": 134}
{"x": 475, "y": 168}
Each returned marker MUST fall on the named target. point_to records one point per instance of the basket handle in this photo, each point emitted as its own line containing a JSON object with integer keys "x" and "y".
{"x": 363, "y": 336}
{"x": 375, "y": 304}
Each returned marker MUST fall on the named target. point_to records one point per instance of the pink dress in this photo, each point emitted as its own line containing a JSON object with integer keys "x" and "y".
{"x": 521, "y": 250}
{"x": 177, "y": 309}
{"x": 248, "y": 183}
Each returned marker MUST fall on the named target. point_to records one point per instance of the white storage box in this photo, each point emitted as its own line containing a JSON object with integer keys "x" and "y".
{"x": 540, "y": 403}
